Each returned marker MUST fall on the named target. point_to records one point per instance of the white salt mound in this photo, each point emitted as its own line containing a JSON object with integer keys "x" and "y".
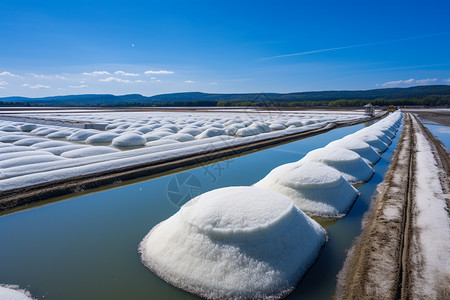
{"x": 12, "y": 292}
{"x": 190, "y": 130}
{"x": 129, "y": 140}
{"x": 276, "y": 126}
{"x": 81, "y": 135}
{"x": 211, "y": 132}
{"x": 101, "y": 138}
{"x": 248, "y": 131}
{"x": 313, "y": 187}
{"x": 350, "y": 164}
{"x": 372, "y": 140}
{"x": 236, "y": 242}
{"x": 60, "y": 134}
{"x": 364, "y": 150}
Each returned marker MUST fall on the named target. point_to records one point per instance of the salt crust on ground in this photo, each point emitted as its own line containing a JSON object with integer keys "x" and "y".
{"x": 29, "y": 160}
{"x": 235, "y": 242}
{"x": 432, "y": 223}
{"x": 86, "y": 152}
{"x": 350, "y": 164}
{"x": 313, "y": 187}
{"x": 12, "y": 292}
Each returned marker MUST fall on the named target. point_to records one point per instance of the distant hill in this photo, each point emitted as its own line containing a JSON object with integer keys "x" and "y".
{"x": 198, "y": 98}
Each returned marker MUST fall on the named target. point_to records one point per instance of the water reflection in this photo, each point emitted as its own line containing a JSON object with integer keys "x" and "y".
{"x": 85, "y": 247}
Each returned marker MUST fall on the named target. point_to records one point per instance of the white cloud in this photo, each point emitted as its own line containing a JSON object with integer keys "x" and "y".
{"x": 158, "y": 72}
{"x": 189, "y": 81}
{"x": 213, "y": 83}
{"x": 3, "y": 83}
{"x": 425, "y": 81}
{"x": 78, "y": 86}
{"x": 446, "y": 80}
{"x": 139, "y": 81}
{"x": 41, "y": 76}
{"x": 60, "y": 77}
{"x": 409, "y": 82}
{"x": 96, "y": 73}
{"x": 125, "y": 73}
{"x": 110, "y": 79}
{"x": 36, "y": 86}
{"x": 6, "y": 73}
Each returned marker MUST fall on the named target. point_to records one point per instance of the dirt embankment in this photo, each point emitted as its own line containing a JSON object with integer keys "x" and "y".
{"x": 441, "y": 116}
{"x": 384, "y": 257}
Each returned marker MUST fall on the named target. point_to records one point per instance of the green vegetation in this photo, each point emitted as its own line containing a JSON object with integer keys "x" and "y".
{"x": 437, "y": 95}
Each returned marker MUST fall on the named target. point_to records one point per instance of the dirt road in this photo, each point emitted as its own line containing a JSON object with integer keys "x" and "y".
{"x": 389, "y": 259}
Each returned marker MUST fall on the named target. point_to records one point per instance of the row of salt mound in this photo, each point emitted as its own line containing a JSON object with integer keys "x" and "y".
{"x": 319, "y": 184}
{"x": 252, "y": 242}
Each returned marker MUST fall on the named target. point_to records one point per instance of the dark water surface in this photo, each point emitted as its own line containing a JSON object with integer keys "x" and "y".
{"x": 86, "y": 247}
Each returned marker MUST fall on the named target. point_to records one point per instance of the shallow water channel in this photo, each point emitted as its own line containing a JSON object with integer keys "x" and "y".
{"x": 86, "y": 247}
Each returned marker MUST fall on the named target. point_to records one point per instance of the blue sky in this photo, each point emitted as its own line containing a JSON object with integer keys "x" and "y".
{"x": 151, "y": 47}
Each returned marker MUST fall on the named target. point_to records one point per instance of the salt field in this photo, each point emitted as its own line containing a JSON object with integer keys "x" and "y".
{"x": 101, "y": 231}
{"x": 224, "y": 150}
{"x": 63, "y": 145}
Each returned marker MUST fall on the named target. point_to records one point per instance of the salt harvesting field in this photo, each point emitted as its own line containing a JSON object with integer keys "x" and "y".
{"x": 67, "y": 144}
{"x": 241, "y": 238}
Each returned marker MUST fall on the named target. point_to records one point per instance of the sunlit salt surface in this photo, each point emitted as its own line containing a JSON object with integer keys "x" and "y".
{"x": 364, "y": 150}
{"x": 349, "y": 163}
{"x": 313, "y": 187}
{"x": 235, "y": 242}
{"x": 13, "y": 292}
{"x": 129, "y": 140}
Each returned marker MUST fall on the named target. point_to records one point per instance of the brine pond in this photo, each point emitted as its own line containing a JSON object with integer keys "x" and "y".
{"x": 85, "y": 247}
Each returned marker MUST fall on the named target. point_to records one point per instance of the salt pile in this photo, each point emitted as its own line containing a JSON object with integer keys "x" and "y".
{"x": 102, "y": 138}
{"x": 129, "y": 140}
{"x": 81, "y": 135}
{"x": 372, "y": 140}
{"x": 364, "y": 150}
{"x": 12, "y": 292}
{"x": 211, "y": 132}
{"x": 350, "y": 164}
{"x": 313, "y": 187}
{"x": 236, "y": 242}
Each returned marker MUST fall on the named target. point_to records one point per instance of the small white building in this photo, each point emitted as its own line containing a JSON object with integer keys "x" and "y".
{"x": 368, "y": 110}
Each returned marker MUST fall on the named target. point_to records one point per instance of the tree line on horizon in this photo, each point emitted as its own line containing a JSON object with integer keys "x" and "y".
{"x": 429, "y": 101}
